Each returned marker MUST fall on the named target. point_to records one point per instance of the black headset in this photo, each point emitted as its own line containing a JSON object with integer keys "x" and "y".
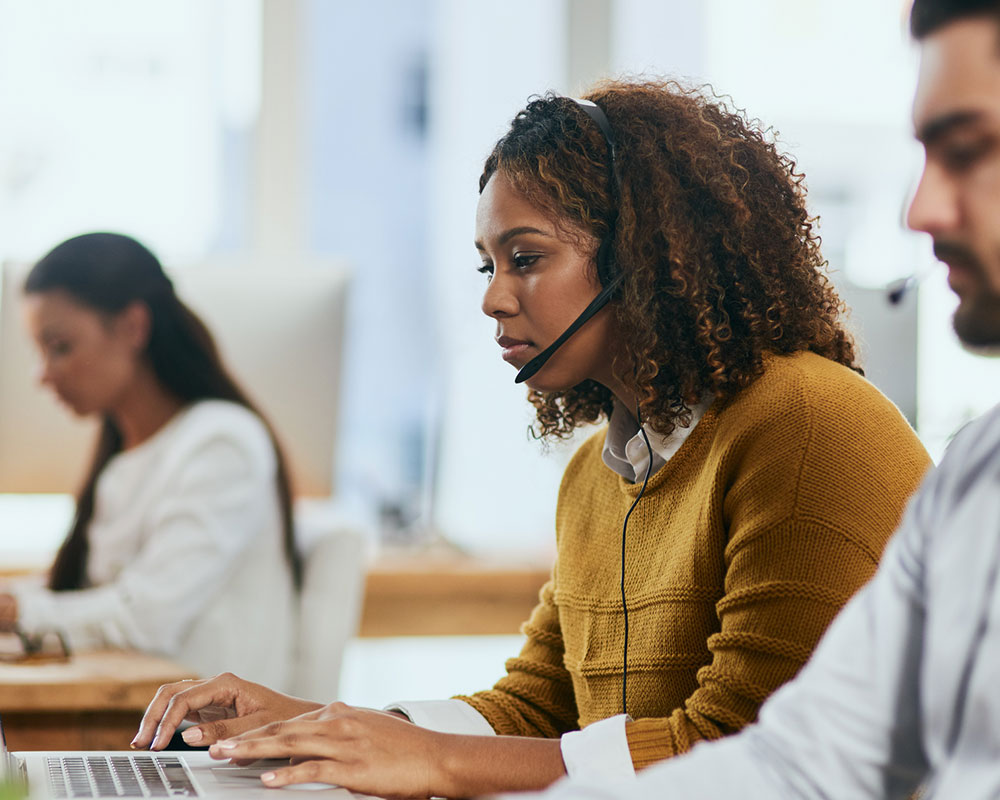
{"x": 608, "y": 274}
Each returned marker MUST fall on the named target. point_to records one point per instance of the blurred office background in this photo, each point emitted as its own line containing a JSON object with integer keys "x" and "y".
{"x": 284, "y": 130}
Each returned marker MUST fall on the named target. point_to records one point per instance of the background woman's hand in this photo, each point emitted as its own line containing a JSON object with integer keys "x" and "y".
{"x": 8, "y": 611}
{"x": 224, "y": 706}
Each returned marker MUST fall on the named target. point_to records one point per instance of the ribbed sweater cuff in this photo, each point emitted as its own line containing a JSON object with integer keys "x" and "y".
{"x": 646, "y": 744}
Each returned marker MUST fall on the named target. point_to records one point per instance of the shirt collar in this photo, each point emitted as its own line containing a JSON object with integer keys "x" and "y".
{"x": 625, "y": 451}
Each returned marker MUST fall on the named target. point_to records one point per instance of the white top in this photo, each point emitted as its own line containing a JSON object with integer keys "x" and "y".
{"x": 186, "y": 557}
{"x": 600, "y": 749}
{"x": 903, "y": 687}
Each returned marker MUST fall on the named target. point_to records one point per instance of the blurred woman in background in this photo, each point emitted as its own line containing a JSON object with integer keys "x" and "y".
{"x": 182, "y": 541}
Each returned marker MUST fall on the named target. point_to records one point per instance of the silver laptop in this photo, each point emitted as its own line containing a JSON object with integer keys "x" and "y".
{"x": 126, "y": 774}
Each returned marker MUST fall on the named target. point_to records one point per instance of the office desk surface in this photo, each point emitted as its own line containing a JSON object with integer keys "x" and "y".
{"x": 419, "y": 595}
{"x": 92, "y": 702}
{"x": 422, "y": 596}
{"x": 88, "y": 681}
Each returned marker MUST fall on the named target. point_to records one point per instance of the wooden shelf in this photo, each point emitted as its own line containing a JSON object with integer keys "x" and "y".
{"x": 419, "y": 596}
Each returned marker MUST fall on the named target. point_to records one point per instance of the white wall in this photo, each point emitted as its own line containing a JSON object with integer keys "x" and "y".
{"x": 114, "y": 117}
{"x": 495, "y": 488}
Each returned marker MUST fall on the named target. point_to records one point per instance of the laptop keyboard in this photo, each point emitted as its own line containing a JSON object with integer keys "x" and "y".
{"x": 119, "y": 776}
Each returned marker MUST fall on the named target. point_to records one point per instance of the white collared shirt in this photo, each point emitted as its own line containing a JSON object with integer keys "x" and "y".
{"x": 601, "y": 749}
{"x": 625, "y": 450}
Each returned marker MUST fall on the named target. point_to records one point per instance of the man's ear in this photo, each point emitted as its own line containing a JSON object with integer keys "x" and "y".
{"x": 133, "y": 324}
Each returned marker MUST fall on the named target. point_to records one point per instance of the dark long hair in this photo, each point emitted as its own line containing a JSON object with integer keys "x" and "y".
{"x": 107, "y": 272}
{"x": 708, "y": 222}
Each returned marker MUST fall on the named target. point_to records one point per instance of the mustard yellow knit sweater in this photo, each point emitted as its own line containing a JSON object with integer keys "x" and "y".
{"x": 746, "y": 544}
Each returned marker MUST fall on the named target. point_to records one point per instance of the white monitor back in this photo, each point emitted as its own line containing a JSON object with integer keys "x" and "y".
{"x": 280, "y": 333}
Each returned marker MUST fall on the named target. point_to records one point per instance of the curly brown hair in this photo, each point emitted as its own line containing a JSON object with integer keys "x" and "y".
{"x": 708, "y": 221}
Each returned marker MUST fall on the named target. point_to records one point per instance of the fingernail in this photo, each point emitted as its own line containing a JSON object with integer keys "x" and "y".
{"x": 192, "y": 735}
{"x": 226, "y": 744}
{"x": 267, "y": 777}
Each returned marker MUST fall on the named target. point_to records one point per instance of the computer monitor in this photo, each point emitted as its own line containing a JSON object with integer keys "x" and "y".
{"x": 280, "y": 333}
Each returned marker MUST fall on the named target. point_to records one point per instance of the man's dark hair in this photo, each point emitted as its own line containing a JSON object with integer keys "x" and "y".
{"x": 929, "y": 15}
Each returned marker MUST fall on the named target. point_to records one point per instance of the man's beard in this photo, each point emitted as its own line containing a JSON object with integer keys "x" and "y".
{"x": 977, "y": 318}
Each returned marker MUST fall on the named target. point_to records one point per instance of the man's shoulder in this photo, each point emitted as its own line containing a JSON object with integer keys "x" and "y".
{"x": 968, "y": 473}
{"x": 976, "y": 445}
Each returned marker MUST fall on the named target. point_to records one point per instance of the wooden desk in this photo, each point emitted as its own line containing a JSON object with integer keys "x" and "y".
{"x": 421, "y": 596}
{"x": 439, "y": 595}
{"x": 93, "y": 702}
{"x": 409, "y": 594}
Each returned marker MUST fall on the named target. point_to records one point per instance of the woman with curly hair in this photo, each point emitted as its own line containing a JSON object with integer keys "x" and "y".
{"x": 743, "y": 489}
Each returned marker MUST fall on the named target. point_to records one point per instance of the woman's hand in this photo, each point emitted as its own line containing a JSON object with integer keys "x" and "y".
{"x": 224, "y": 705}
{"x": 369, "y": 751}
{"x": 8, "y": 612}
{"x": 374, "y": 752}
